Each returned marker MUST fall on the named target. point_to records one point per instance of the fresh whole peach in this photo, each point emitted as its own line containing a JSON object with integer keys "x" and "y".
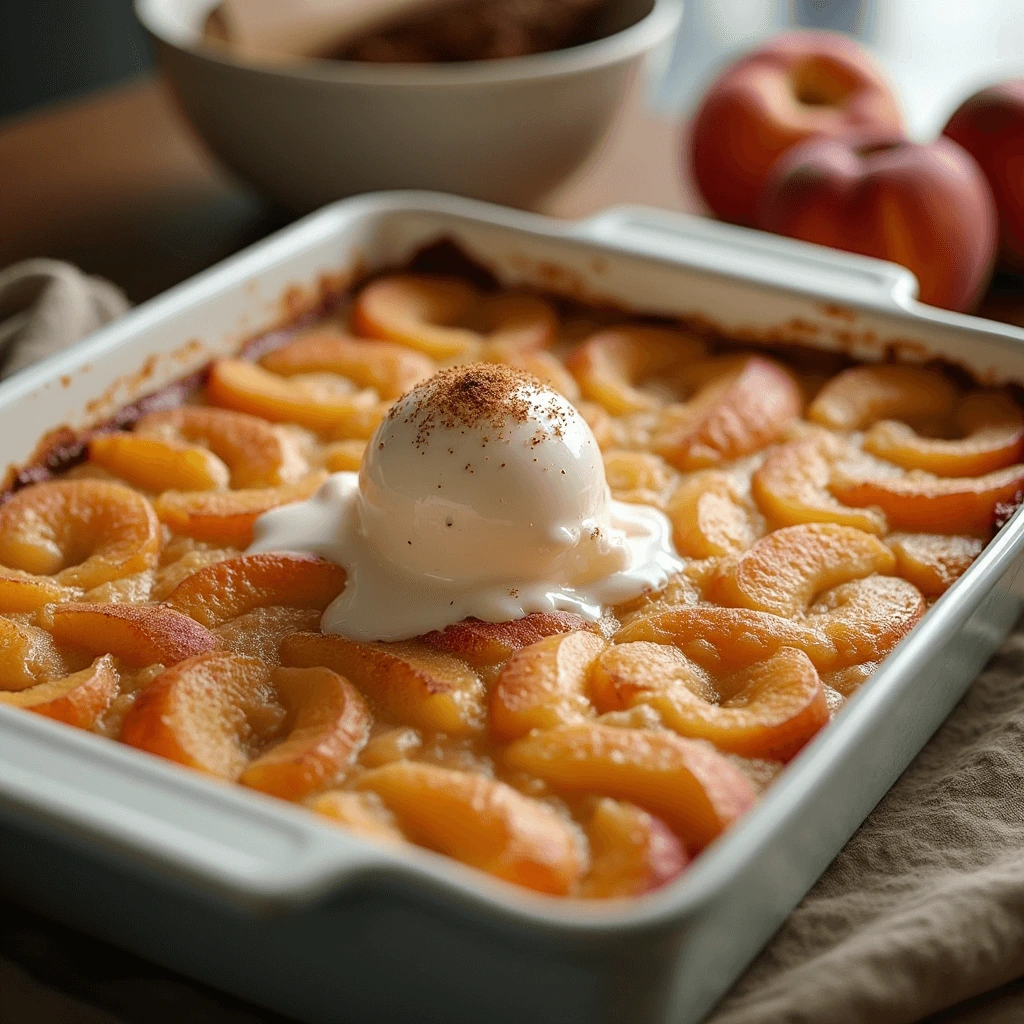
{"x": 925, "y": 206}
{"x": 990, "y": 126}
{"x": 793, "y": 87}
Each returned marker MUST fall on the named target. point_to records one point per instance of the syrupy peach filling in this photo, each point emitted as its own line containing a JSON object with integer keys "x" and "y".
{"x": 815, "y": 510}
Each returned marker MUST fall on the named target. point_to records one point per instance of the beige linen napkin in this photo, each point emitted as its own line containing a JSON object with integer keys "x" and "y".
{"x": 45, "y": 306}
{"x": 924, "y": 907}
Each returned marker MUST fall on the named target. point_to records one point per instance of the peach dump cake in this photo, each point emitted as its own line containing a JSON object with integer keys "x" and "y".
{"x": 551, "y": 591}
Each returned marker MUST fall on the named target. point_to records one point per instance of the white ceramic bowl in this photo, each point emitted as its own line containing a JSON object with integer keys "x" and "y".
{"x": 312, "y": 131}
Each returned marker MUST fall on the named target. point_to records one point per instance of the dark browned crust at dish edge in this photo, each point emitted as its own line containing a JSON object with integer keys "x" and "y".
{"x": 64, "y": 447}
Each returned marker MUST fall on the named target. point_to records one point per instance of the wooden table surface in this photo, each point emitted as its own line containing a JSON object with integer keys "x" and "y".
{"x": 117, "y": 184}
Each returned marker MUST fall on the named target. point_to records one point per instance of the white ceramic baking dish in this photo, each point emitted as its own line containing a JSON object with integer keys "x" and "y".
{"x": 261, "y": 898}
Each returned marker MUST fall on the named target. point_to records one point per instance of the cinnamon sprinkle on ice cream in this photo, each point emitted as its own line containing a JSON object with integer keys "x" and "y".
{"x": 477, "y": 395}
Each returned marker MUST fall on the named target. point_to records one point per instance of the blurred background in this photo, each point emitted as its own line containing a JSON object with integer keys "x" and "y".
{"x": 145, "y": 185}
{"x": 936, "y": 51}
{"x": 56, "y": 49}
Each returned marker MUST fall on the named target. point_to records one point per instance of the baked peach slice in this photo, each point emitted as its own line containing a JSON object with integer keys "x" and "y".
{"x": 992, "y": 425}
{"x": 232, "y": 587}
{"x": 511, "y": 322}
{"x": 856, "y": 614}
{"x": 154, "y": 465}
{"x": 767, "y": 710}
{"x": 218, "y": 713}
{"x": 138, "y": 634}
{"x": 783, "y": 572}
{"x": 619, "y": 680}
{"x": 484, "y": 644}
{"x": 695, "y": 789}
{"x": 481, "y": 822}
{"x": 684, "y": 589}
{"x": 257, "y": 453}
{"x": 933, "y": 562}
{"x": 639, "y": 477}
{"x": 328, "y": 723}
{"x": 547, "y": 368}
{"x": 544, "y": 685}
{"x": 857, "y": 621}
{"x": 847, "y": 681}
{"x": 79, "y": 532}
{"x": 723, "y": 640}
{"x": 601, "y": 424}
{"x": 631, "y": 852}
{"x": 344, "y": 456}
{"x": 863, "y": 395}
{"x": 395, "y": 743}
{"x": 447, "y": 319}
{"x": 23, "y": 592}
{"x": 612, "y": 365}
{"x": 791, "y": 487}
{"x": 227, "y": 517}
{"x": 746, "y": 404}
{"x": 833, "y": 699}
{"x": 389, "y": 369}
{"x": 711, "y": 518}
{"x": 309, "y": 401}
{"x": 79, "y": 699}
{"x": 28, "y": 656}
{"x": 865, "y": 619}
{"x": 406, "y": 681}
{"x": 361, "y": 813}
{"x": 925, "y": 503}
{"x": 422, "y": 312}
{"x": 182, "y": 557}
{"x": 211, "y": 713}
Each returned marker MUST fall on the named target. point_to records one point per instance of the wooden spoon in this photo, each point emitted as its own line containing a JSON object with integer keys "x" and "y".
{"x": 301, "y": 28}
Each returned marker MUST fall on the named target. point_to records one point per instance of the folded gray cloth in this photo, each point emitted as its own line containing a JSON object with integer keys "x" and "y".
{"x": 45, "y": 306}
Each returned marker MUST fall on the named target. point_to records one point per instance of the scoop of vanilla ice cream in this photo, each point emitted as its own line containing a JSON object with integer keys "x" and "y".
{"x": 483, "y": 474}
{"x": 483, "y": 495}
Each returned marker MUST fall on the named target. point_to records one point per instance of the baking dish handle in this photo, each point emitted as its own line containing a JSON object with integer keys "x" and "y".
{"x": 251, "y": 850}
{"x": 753, "y": 255}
